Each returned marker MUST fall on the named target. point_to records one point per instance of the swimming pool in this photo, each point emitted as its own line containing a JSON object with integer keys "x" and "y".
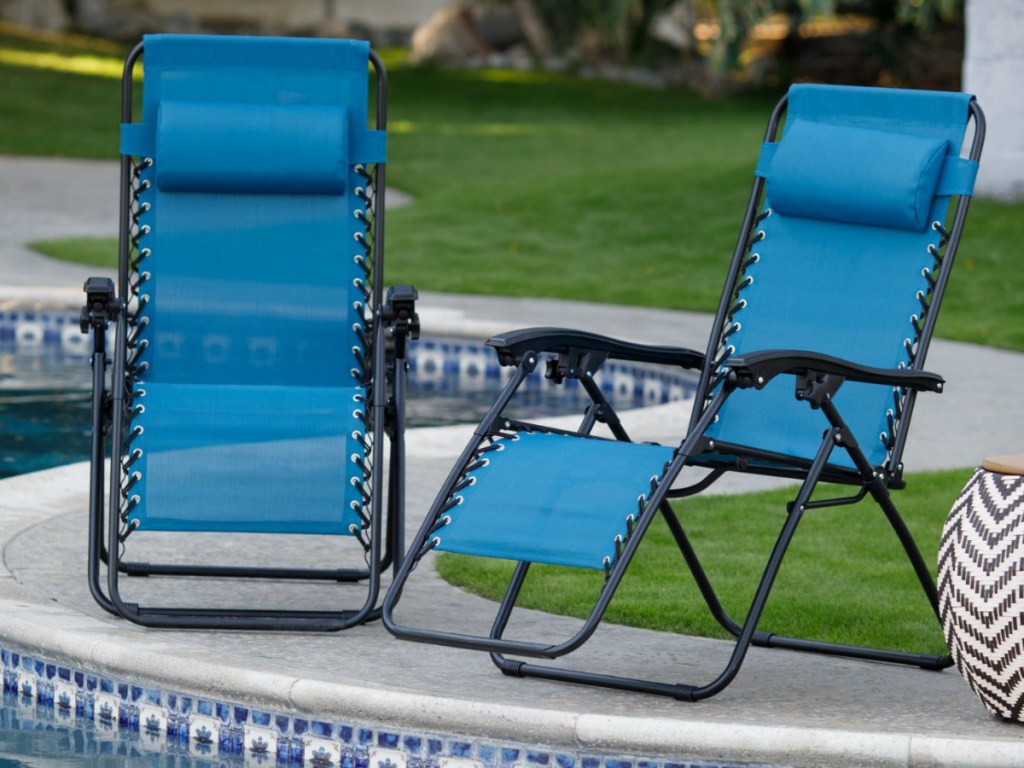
{"x": 45, "y": 379}
{"x": 55, "y": 714}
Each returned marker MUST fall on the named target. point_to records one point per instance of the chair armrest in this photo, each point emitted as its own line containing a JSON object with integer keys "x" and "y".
{"x": 756, "y": 369}
{"x": 399, "y": 311}
{"x": 512, "y": 346}
{"x": 101, "y": 305}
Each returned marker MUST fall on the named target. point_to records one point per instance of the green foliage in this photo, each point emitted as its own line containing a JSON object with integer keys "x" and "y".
{"x": 924, "y": 13}
{"x": 845, "y": 578}
{"x": 618, "y": 28}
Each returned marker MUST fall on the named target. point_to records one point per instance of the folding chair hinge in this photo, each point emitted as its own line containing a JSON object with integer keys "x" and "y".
{"x": 816, "y": 387}
{"x": 399, "y": 312}
{"x": 604, "y": 413}
{"x": 100, "y": 305}
{"x": 574, "y": 363}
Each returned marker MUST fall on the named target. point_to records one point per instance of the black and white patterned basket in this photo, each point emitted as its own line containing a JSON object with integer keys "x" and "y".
{"x": 981, "y": 585}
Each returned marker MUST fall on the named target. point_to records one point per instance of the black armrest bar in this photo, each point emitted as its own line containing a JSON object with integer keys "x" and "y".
{"x": 513, "y": 345}
{"x": 756, "y": 369}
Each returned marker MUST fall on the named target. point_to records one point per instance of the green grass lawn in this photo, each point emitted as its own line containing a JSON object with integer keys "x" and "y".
{"x": 552, "y": 186}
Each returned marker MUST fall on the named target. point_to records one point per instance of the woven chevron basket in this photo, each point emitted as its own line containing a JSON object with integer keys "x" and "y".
{"x": 981, "y": 585}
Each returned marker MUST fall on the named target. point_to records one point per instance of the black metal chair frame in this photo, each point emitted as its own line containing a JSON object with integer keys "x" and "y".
{"x": 394, "y": 322}
{"x": 580, "y": 355}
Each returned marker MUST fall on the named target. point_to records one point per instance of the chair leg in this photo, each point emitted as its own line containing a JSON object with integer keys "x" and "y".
{"x": 925, "y": 661}
{"x": 700, "y": 577}
{"x": 880, "y": 492}
{"x": 97, "y": 483}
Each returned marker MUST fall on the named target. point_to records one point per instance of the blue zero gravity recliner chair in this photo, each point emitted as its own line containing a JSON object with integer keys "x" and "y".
{"x": 816, "y": 357}
{"x": 256, "y": 374}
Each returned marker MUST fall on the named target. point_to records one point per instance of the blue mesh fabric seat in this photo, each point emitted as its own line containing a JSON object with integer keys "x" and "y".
{"x": 811, "y": 372}
{"x": 249, "y": 372}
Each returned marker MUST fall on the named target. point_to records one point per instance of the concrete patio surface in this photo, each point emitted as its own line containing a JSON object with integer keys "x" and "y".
{"x": 784, "y": 708}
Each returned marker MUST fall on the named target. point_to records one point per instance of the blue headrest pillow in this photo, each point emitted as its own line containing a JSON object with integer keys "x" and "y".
{"x": 855, "y": 175}
{"x": 245, "y": 148}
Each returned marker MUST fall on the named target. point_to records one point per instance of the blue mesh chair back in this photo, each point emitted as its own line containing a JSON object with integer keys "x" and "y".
{"x": 249, "y": 395}
{"x": 844, "y": 261}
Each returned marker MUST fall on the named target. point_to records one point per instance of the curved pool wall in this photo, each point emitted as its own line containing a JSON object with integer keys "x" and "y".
{"x": 375, "y": 701}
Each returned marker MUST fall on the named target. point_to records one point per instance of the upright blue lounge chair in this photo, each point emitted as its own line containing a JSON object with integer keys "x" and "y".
{"x": 815, "y": 359}
{"x": 257, "y": 370}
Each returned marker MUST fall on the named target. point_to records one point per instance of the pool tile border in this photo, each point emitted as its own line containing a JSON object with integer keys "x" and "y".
{"x": 445, "y": 365}
{"x": 150, "y": 719}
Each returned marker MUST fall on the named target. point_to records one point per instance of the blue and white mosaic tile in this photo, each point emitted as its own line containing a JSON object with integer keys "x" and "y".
{"x": 25, "y": 328}
{"x": 103, "y": 715}
{"x": 443, "y": 366}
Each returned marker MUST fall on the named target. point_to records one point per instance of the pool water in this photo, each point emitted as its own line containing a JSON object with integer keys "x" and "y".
{"x": 45, "y": 401}
{"x": 44, "y": 408}
{"x": 38, "y": 736}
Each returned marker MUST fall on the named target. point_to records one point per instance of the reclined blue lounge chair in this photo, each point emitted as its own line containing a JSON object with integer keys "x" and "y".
{"x": 811, "y": 372}
{"x": 251, "y": 389}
